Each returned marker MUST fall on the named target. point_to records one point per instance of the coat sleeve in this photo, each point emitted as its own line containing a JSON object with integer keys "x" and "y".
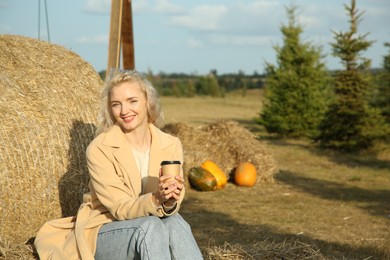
{"x": 112, "y": 192}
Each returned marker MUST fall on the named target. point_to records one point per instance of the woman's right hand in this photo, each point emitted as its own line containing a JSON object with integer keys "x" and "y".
{"x": 166, "y": 191}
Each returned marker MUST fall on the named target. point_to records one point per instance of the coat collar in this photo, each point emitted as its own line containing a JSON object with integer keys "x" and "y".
{"x": 116, "y": 139}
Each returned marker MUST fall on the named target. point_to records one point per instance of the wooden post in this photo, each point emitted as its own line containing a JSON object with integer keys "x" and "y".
{"x": 127, "y": 36}
{"x": 121, "y": 35}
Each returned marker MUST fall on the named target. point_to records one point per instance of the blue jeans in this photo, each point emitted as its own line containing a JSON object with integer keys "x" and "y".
{"x": 147, "y": 238}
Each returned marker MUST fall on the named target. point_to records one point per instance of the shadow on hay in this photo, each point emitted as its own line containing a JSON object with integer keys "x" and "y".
{"x": 74, "y": 183}
{"x": 378, "y": 199}
{"x": 215, "y": 229}
{"x": 71, "y": 186}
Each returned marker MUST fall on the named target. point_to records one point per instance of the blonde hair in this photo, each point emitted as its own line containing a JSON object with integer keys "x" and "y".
{"x": 117, "y": 76}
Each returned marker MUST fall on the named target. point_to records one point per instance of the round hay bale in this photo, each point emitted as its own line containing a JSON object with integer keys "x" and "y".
{"x": 226, "y": 143}
{"x": 49, "y": 100}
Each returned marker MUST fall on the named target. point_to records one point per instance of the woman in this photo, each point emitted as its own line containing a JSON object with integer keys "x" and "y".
{"x": 131, "y": 209}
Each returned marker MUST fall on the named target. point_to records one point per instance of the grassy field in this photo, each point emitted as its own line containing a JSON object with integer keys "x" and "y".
{"x": 323, "y": 204}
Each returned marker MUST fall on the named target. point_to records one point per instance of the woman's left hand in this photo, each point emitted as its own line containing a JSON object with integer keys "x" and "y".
{"x": 169, "y": 190}
{"x": 177, "y": 185}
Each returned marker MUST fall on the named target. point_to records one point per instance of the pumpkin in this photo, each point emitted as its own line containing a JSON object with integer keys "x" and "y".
{"x": 201, "y": 179}
{"x": 245, "y": 174}
{"x": 214, "y": 169}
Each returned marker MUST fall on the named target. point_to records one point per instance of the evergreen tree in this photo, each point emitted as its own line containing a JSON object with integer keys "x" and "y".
{"x": 296, "y": 89}
{"x": 383, "y": 96}
{"x": 350, "y": 122}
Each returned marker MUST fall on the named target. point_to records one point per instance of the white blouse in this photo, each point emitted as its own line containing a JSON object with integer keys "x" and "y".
{"x": 142, "y": 160}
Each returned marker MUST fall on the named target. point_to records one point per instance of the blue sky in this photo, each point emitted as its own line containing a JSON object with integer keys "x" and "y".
{"x": 195, "y": 36}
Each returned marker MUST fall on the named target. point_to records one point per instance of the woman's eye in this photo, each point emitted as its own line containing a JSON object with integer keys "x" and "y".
{"x": 115, "y": 105}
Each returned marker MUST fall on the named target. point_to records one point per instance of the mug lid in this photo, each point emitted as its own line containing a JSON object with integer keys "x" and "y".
{"x": 170, "y": 162}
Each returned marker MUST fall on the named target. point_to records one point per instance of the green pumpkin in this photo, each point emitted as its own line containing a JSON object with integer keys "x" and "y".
{"x": 201, "y": 179}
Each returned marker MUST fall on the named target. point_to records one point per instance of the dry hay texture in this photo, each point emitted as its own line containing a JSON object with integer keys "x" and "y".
{"x": 266, "y": 250}
{"x": 48, "y": 106}
{"x": 227, "y": 144}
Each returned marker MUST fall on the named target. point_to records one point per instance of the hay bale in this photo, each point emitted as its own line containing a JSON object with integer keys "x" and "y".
{"x": 225, "y": 142}
{"x": 49, "y": 99}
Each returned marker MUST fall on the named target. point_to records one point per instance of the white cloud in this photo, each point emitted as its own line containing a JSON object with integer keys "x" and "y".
{"x": 98, "y": 6}
{"x": 254, "y": 17}
{"x": 202, "y": 17}
{"x": 97, "y": 39}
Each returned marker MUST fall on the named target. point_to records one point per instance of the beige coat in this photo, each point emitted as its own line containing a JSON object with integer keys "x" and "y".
{"x": 115, "y": 194}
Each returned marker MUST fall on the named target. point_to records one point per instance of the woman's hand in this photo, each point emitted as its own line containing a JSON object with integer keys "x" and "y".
{"x": 168, "y": 190}
{"x": 179, "y": 186}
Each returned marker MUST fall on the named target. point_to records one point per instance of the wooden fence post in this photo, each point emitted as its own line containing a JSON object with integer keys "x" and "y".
{"x": 121, "y": 35}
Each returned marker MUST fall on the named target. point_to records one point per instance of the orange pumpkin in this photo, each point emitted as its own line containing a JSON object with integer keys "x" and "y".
{"x": 245, "y": 175}
{"x": 214, "y": 169}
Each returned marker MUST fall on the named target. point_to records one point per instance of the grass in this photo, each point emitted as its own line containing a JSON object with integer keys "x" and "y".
{"x": 200, "y": 110}
{"x": 335, "y": 204}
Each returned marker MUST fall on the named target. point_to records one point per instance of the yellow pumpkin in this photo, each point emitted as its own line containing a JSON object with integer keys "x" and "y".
{"x": 215, "y": 170}
{"x": 245, "y": 174}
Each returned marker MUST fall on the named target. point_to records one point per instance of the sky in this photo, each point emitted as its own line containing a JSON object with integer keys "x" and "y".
{"x": 196, "y": 36}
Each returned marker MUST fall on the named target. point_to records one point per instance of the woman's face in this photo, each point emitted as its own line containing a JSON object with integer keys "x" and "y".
{"x": 128, "y": 106}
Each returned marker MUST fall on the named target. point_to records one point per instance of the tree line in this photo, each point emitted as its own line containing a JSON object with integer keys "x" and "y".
{"x": 212, "y": 84}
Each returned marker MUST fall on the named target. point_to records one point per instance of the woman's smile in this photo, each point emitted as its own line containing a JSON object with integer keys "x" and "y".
{"x": 128, "y": 119}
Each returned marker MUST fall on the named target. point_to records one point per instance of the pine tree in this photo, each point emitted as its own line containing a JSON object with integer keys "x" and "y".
{"x": 296, "y": 89}
{"x": 350, "y": 123}
{"x": 383, "y": 97}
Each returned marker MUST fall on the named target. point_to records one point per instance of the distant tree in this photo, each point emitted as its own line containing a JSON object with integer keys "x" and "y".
{"x": 214, "y": 72}
{"x": 155, "y": 80}
{"x": 102, "y": 74}
{"x": 244, "y": 87}
{"x": 202, "y": 86}
{"x": 175, "y": 89}
{"x": 350, "y": 123}
{"x": 240, "y": 83}
{"x": 296, "y": 89}
{"x": 149, "y": 75}
{"x": 190, "y": 92}
{"x": 382, "y": 100}
{"x": 208, "y": 85}
{"x": 215, "y": 90}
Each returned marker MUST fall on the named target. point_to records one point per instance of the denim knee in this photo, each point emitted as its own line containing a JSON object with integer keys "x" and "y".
{"x": 154, "y": 226}
{"x": 176, "y": 222}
